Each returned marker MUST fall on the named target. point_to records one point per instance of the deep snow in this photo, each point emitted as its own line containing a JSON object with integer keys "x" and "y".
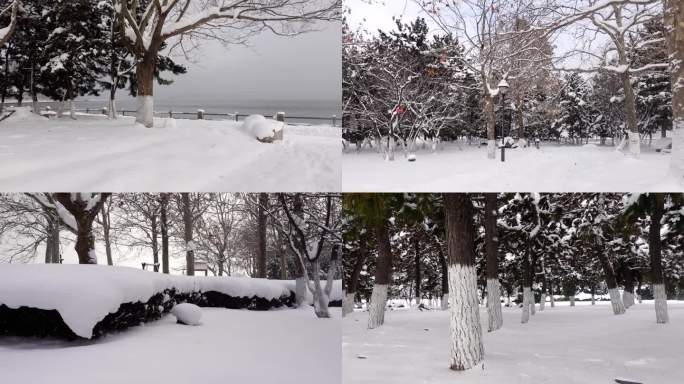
{"x": 561, "y": 345}
{"x": 94, "y": 153}
{"x": 289, "y": 346}
{"x": 552, "y": 168}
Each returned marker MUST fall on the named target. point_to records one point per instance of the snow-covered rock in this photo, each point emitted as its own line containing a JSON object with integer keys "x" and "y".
{"x": 188, "y": 314}
{"x": 263, "y": 129}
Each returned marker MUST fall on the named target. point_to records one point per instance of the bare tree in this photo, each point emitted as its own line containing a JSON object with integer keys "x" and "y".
{"x": 13, "y": 10}
{"x": 146, "y": 29}
{"x": 217, "y": 232}
{"x": 164, "y": 227}
{"x": 83, "y": 208}
{"x": 261, "y": 235}
{"x": 309, "y": 231}
{"x": 138, "y": 222}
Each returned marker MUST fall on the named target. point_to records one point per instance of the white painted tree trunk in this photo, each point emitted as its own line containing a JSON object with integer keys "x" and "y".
{"x": 533, "y": 308}
{"x": 593, "y": 299}
{"x": 112, "y": 109}
{"x": 376, "y": 308}
{"x": 145, "y": 113}
{"x": 553, "y": 301}
{"x": 542, "y": 303}
{"x": 616, "y": 303}
{"x": 660, "y": 303}
{"x": 634, "y": 144}
{"x": 627, "y": 299}
{"x": 464, "y": 318}
{"x": 300, "y": 290}
{"x": 526, "y": 305}
{"x": 491, "y": 149}
{"x": 72, "y": 113}
{"x": 494, "y": 305}
{"x": 677, "y": 161}
{"x": 444, "y": 304}
{"x": 348, "y": 304}
{"x": 572, "y": 300}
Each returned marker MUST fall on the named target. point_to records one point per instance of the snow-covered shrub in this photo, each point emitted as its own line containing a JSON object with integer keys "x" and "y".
{"x": 188, "y": 314}
{"x": 263, "y": 129}
{"x": 87, "y": 301}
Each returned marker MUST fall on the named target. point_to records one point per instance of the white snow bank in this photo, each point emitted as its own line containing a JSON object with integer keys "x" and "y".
{"x": 186, "y": 313}
{"x": 84, "y": 294}
{"x": 263, "y": 129}
{"x": 24, "y": 115}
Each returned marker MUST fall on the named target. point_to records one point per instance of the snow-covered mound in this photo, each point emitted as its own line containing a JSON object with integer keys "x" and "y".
{"x": 188, "y": 314}
{"x": 24, "y": 115}
{"x": 263, "y": 129}
{"x": 85, "y": 294}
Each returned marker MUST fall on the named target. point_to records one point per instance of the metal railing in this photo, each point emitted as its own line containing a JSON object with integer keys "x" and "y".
{"x": 202, "y": 115}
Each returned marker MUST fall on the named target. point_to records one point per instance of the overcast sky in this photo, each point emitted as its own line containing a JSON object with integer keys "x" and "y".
{"x": 380, "y": 14}
{"x": 305, "y": 67}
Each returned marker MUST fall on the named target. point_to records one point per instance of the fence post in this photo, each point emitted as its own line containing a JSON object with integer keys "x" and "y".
{"x": 87, "y": 110}
{"x": 171, "y": 114}
{"x": 105, "y": 111}
{"x": 334, "y": 120}
{"x": 280, "y": 116}
{"x": 237, "y": 116}
{"x": 200, "y": 114}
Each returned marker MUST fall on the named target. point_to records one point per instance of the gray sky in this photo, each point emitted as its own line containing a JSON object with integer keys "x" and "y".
{"x": 379, "y": 15}
{"x": 305, "y": 67}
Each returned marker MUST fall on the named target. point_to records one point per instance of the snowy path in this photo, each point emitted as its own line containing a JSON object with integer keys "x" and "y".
{"x": 93, "y": 153}
{"x": 231, "y": 346}
{"x": 549, "y": 169}
{"x": 562, "y": 345}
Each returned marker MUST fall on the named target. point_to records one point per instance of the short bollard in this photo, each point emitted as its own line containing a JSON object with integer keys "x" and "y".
{"x": 200, "y": 114}
{"x": 280, "y": 116}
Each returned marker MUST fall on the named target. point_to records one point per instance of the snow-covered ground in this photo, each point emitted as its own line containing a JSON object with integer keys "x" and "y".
{"x": 561, "y": 345}
{"x": 93, "y": 153}
{"x": 552, "y": 168}
{"x": 230, "y": 346}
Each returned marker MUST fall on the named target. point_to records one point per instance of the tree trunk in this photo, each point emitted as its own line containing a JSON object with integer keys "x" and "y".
{"x": 674, "y": 36}
{"x": 611, "y": 282}
{"x": 163, "y": 212}
{"x": 527, "y": 289}
{"x": 628, "y": 292}
{"x": 383, "y": 275}
{"x": 261, "y": 237}
{"x": 112, "y": 100}
{"x": 155, "y": 243}
{"x": 85, "y": 241}
{"x": 105, "y": 229}
{"x": 495, "y": 318}
{"x": 52, "y": 240}
{"x": 416, "y": 248}
{"x": 145, "y": 77}
{"x": 189, "y": 245}
{"x": 300, "y": 279}
{"x": 519, "y": 118}
{"x": 465, "y": 330}
{"x": 354, "y": 278}
{"x": 656, "y": 259}
{"x": 444, "y": 303}
{"x": 491, "y": 126}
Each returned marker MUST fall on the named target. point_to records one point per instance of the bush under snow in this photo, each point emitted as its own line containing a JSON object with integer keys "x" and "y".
{"x": 86, "y": 301}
